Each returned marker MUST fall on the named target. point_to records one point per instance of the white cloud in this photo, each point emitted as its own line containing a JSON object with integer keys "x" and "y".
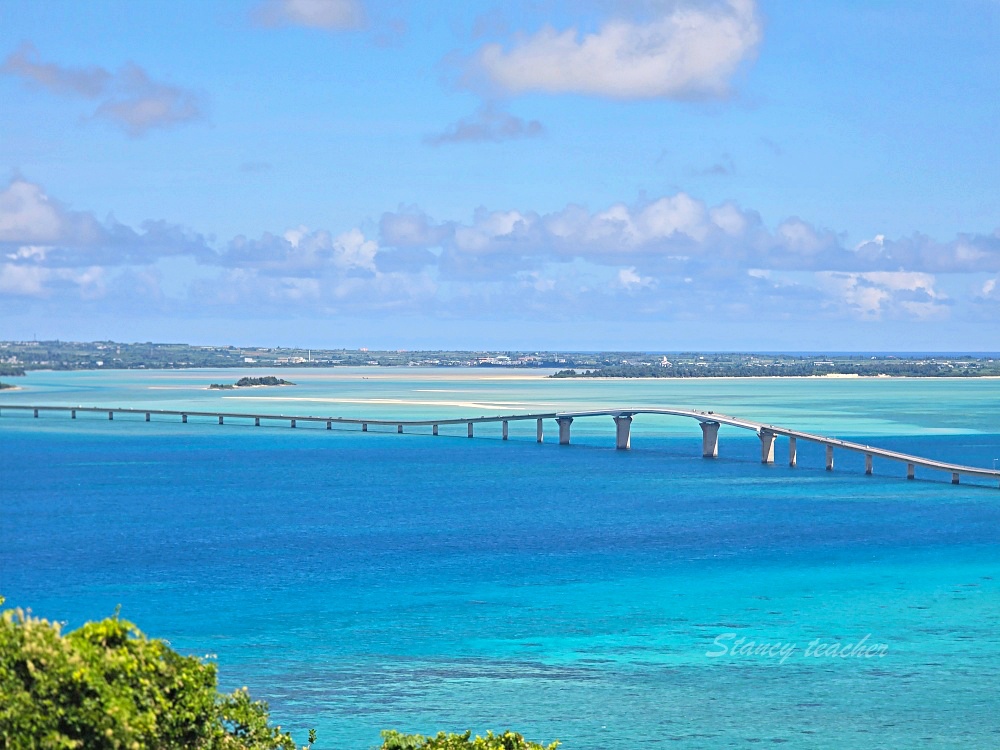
{"x": 691, "y": 51}
{"x": 140, "y": 103}
{"x": 352, "y": 250}
{"x": 23, "y": 281}
{"x": 320, "y": 14}
{"x": 629, "y": 279}
{"x": 29, "y": 217}
{"x": 876, "y": 294}
{"x": 301, "y": 253}
{"x": 130, "y": 98}
{"x": 36, "y": 281}
{"x": 36, "y": 230}
{"x": 488, "y": 124}
{"x": 89, "y": 82}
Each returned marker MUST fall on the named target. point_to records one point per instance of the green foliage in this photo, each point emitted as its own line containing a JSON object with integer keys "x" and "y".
{"x": 106, "y": 685}
{"x": 265, "y": 380}
{"x": 393, "y": 740}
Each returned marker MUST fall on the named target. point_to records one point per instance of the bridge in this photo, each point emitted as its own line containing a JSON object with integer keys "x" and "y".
{"x": 709, "y": 421}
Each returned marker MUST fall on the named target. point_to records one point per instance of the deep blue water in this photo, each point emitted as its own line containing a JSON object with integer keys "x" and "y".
{"x": 361, "y": 582}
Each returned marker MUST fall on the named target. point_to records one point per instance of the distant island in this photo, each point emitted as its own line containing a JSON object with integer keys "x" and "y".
{"x": 6, "y": 385}
{"x": 250, "y": 383}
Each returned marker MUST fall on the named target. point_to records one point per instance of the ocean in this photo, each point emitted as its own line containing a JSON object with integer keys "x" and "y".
{"x": 608, "y": 599}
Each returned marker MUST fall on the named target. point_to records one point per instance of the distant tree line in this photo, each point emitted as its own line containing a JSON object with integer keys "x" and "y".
{"x": 894, "y": 368}
{"x": 248, "y": 382}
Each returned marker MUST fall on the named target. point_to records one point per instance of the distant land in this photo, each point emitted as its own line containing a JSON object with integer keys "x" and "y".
{"x": 19, "y": 357}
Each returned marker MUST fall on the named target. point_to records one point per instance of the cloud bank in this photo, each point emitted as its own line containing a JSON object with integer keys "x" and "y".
{"x": 671, "y": 259}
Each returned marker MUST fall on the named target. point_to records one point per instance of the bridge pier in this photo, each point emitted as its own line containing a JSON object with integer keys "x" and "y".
{"x": 399, "y": 429}
{"x": 793, "y": 452}
{"x": 36, "y": 413}
{"x": 147, "y": 416}
{"x": 709, "y": 439}
{"x": 293, "y": 423}
{"x": 564, "y": 423}
{"x": 72, "y": 414}
{"x": 256, "y": 421}
{"x": 829, "y": 458}
{"x": 329, "y": 424}
{"x": 364, "y": 427}
{"x": 470, "y": 429}
{"x": 954, "y": 477}
{"x": 910, "y": 473}
{"x": 623, "y": 432}
{"x": 868, "y": 463}
{"x": 434, "y": 430}
{"x": 221, "y": 421}
{"x": 504, "y": 429}
{"x": 538, "y": 432}
{"x": 766, "y": 446}
{"x": 184, "y": 418}
{"x": 111, "y": 415}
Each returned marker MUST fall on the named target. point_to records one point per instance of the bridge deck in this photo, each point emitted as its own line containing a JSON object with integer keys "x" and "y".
{"x": 700, "y": 416}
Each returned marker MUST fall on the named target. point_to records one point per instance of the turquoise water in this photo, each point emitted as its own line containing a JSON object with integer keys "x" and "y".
{"x": 365, "y": 581}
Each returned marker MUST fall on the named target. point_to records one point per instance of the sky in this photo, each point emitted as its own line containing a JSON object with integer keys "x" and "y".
{"x": 664, "y": 175}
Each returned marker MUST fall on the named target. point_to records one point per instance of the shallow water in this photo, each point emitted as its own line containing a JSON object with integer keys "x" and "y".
{"x": 366, "y": 581}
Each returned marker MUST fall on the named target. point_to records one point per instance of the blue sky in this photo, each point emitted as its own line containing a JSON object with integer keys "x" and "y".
{"x": 655, "y": 174}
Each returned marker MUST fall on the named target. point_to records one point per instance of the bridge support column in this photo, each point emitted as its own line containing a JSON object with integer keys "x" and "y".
{"x": 538, "y": 432}
{"x": 399, "y": 429}
{"x": 766, "y": 446}
{"x": 504, "y": 429}
{"x": 910, "y": 472}
{"x": 72, "y": 414}
{"x": 793, "y": 452}
{"x": 868, "y": 463}
{"x": 36, "y": 413}
{"x": 147, "y": 416}
{"x": 564, "y": 423}
{"x": 623, "y": 432}
{"x": 954, "y": 477}
{"x": 364, "y": 427}
{"x": 709, "y": 439}
{"x": 434, "y": 430}
{"x": 184, "y": 418}
{"x": 256, "y": 421}
{"x": 829, "y": 458}
{"x": 293, "y": 423}
{"x": 470, "y": 429}
{"x": 221, "y": 420}
{"x": 329, "y": 424}
{"x": 111, "y": 415}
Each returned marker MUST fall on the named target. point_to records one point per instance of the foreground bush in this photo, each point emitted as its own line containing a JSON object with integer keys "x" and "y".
{"x": 106, "y": 685}
{"x": 393, "y": 740}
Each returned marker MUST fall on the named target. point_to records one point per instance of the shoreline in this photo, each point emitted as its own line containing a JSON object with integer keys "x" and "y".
{"x": 473, "y": 374}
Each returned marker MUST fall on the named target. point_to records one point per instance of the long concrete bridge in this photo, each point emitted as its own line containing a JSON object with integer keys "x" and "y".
{"x": 709, "y": 421}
